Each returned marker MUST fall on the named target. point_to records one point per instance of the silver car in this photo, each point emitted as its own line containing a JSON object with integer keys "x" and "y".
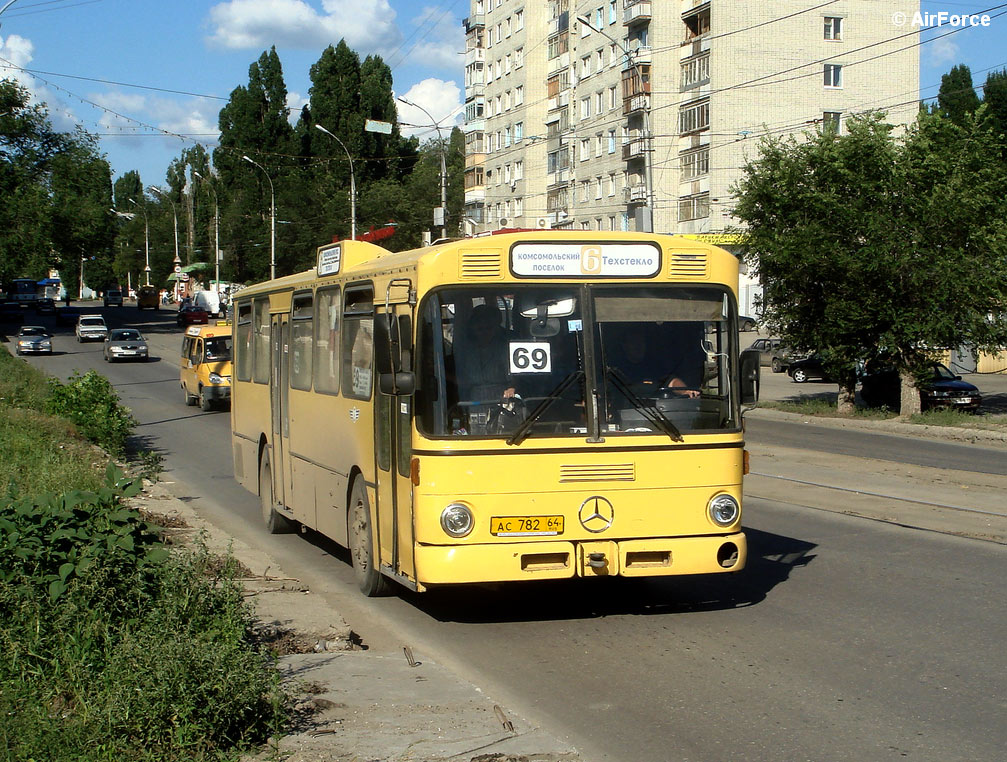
{"x": 91, "y": 327}
{"x": 125, "y": 344}
{"x": 33, "y": 339}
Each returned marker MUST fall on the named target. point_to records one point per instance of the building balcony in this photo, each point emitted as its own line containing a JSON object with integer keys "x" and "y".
{"x": 635, "y": 103}
{"x": 475, "y": 195}
{"x": 475, "y": 55}
{"x": 634, "y": 149}
{"x": 559, "y": 101}
{"x": 476, "y": 125}
{"x": 557, "y": 64}
{"x": 635, "y": 194}
{"x": 475, "y": 21}
{"x": 639, "y": 54}
{"x": 636, "y": 12}
{"x": 558, "y": 179}
{"x": 475, "y": 90}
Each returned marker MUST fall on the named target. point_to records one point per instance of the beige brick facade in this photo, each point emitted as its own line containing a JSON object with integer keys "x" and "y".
{"x": 610, "y": 114}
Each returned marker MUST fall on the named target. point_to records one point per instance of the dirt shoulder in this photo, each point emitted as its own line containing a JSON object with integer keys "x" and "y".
{"x": 351, "y": 704}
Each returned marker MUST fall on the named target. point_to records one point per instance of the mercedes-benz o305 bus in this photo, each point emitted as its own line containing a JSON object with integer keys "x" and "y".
{"x": 525, "y": 406}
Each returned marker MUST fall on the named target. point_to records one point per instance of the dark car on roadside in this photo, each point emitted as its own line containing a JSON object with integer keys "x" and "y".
{"x": 10, "y": 312}
{"x": 881, "y": 387}
{"x": 808, "y": 369}
{"x": 190, "y": 314}
{"x": 45, "y": 306}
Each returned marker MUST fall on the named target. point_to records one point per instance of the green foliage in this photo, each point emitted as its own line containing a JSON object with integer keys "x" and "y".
{"x": 870, "y": 246}
{"x": 90, "y": 402}
{"x": 111, "y": 649}
{"x": 957, "y": 97}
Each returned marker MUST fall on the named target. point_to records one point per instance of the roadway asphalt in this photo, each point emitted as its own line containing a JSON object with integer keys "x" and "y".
{"x": 381, "y": 704}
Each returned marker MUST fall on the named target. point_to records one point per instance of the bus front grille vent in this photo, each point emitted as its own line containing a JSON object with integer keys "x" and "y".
{"x": 480, "y": 264}
{"x": 689, "y": 265}
{"x": 618, "y": 472}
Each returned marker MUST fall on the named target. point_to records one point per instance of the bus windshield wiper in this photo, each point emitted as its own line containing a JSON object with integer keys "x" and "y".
{"x": 521, "y": 433}
{"x": 650, "y": 412}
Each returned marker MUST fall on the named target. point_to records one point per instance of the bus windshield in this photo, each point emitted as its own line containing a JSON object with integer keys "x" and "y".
{"x": 512, "y": 362}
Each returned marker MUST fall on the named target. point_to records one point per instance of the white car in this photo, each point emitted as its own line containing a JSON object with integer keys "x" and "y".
{"x": 91, "y": 328}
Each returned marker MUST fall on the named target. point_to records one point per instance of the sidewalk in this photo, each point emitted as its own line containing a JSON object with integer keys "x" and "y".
{"x": 351, "y": 704}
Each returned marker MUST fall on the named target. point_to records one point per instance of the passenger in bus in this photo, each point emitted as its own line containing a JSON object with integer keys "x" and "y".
{"x": 481, "y": 357}
{"x": 648, "y": 368}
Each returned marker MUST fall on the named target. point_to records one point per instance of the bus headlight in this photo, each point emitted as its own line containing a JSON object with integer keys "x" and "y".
{"x": 723, "y": 510}
{"x": 456, "y": 520}
{"x": 216, "y": 378}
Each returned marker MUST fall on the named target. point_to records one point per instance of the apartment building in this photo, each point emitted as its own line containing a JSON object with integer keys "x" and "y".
{"x": 640, "y": 114}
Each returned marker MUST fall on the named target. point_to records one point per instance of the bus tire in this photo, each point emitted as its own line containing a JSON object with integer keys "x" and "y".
{"x": 361, "y": 541}
{"x": 276, "y": 523}
{"x": 205, "y": 403}
{"x": 189, "y": 399}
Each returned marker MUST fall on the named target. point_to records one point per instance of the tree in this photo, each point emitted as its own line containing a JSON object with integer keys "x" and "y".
{"x": 82, "y": 225}
{"x": 875, "y": 248}
{"x": 957, "y": 96}
{"x": 28, "y": 144}
{"x": 995, "y": 98}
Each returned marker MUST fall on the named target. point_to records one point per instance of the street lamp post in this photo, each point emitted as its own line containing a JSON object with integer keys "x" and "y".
{"x": 146, "y": 240}
{"x": 353, "y": 183}
{"x": 174, "y": 212}
{"x": 272, "y": 219}
{"x": 647, "y": 177}
{"x": 216, "y": 230}
{"x": 444, "y": 171}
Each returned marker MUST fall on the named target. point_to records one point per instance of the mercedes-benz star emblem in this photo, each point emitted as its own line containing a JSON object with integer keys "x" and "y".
{"x": 596, "y": 514}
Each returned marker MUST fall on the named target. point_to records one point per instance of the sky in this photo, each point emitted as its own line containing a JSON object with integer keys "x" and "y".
{"x": 150, "y": 76}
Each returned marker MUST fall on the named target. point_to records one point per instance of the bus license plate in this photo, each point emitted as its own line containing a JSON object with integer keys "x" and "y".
{"x": 526, "y": 526}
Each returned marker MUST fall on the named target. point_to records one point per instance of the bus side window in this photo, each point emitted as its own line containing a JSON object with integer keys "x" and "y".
{"x": 358, "y": 341}
{"x": 326, "y": 360}
{"x": 197, "y": 352}
{"x": 243, "y": 342}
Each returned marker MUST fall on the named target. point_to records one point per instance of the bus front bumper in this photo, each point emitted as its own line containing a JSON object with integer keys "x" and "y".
{"x": 459, "y": 564}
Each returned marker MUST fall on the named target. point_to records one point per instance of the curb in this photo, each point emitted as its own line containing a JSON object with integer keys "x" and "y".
{"x": 894, "y": 427}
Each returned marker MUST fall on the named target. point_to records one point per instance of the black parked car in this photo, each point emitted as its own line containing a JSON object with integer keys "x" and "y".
{"x": 881, "y": 388}
{"x": 807, "y": 369}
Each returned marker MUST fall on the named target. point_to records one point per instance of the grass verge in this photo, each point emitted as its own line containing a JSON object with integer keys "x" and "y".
{"x": 953, "y": 418}
{"x": 111, "y": 648}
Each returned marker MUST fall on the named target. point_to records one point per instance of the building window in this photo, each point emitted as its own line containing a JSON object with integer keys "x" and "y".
{"x": 597, "y": 187}
{"x": 613, "y": 15}
{"x": 833, "y": 75}
{"x": 585, "y": 149}
{"x": 558, "y": 45}
{"x": 518, "y": 58}
{"x": 697, "y": 25}
{"x": 696, "y": 72}
{"x": 598, "y": 143}
{"x": 585, "y": 67}
{"x": 585, "y": 108}
{"x": 611, "y": 141}
{"x": 694, "y": 118}
{"x": 519, "y": 95}
{"x": 583, "y": 190}
{"x": 518, "y": 170}
{"x": 694, "y": 207}
{"x": 519, "y": 21}
{"x": 611, "y": 187}
{"x": 613, "y": 97}
{"x": 518, "y": 132}
{"x": 518, "y": 207}
{"x": 833, "y": 28}
{"x": 695, "y": 164}
{"x": 832, "y": 122}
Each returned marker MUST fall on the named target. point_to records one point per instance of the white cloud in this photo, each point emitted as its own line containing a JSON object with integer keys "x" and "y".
{"x": 942, "y": 51}
{"x": 440, "y": 43}
{"x": 442, "y": 99}
{"x": 295, "y": 102}
{"x": 367, "y": 25}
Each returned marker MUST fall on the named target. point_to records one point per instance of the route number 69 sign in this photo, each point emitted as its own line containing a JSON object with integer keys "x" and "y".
{"x": 530, "y": 357}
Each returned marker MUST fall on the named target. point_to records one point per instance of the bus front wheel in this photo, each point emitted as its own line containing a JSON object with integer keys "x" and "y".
{"x": 275, "y": 522}
{"x": 361, "y": 541}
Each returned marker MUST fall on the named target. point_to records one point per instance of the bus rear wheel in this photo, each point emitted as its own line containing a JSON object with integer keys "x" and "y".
{"x": 361, "y": 541}
{"x": 276, "y": 523}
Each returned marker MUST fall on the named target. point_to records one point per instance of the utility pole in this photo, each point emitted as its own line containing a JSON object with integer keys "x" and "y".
{"x": 444, "y": 170}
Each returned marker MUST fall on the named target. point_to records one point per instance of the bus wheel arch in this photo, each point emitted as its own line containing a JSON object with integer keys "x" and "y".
{"x": 360, "y": 540}
{"x": 275, "y": 522}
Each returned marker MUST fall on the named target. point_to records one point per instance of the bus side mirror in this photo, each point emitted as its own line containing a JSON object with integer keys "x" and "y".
{"x": 385, "y": 345}
{"x": 401, "y": 384}
{"x": 750, "y": 377}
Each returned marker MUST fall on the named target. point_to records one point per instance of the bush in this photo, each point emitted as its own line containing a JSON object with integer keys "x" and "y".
{"x": 110, "y": 649}
{"x": 92, "y": 404}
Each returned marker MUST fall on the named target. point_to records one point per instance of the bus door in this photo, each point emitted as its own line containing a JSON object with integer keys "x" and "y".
{"x": 280, "y": 395}
{"x": 393, "y": 437}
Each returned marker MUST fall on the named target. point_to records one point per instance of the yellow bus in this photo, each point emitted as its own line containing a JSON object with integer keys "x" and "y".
{"x": 525, "y": 406}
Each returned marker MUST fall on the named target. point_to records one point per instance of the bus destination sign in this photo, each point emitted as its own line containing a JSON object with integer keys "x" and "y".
{"x": 585, "y": 260}
{"x": 329, "y": 259}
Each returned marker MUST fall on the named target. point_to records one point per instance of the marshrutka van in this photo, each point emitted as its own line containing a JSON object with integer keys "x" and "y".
{"x": 206, "y": 365}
